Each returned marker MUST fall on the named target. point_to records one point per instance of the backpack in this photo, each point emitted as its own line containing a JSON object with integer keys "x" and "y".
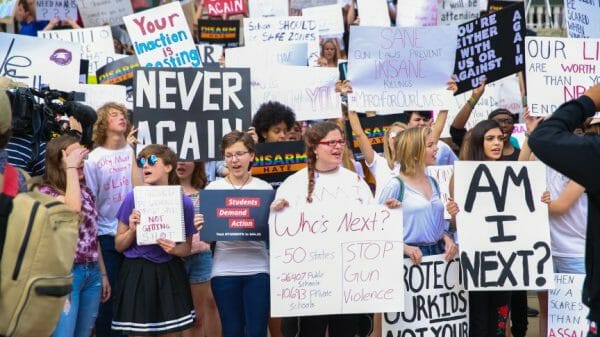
{"x": 401, "y": 191}
{"x": 38, "y": 238}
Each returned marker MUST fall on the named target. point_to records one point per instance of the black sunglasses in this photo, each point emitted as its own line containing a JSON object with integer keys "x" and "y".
{"x": 151, "y": 160}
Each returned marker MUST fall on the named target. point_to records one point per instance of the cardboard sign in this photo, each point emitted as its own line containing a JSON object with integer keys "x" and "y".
{"x": 558, "y": 70}
{"x": 286, "y": 29}
{"x": 582, "y": 18}
{"x": 374, "y": 128}
{"x": 190, "y": 109}
{"x": 394, "y": 69}
{"x": 309, "y": 91}
{"x": 96, "y": 44}
{"x": 161, "y": 214}
{"x": 454, "y": 12}
{"x": 38, "y": 62}
{"x": 101, "y": 12}
{"x": 421, "y": 13}
{"x": 442, "y": 174}
{"x": 210, "y": 53}
{"x": 260, "y": 8}
{"x": 329, "y": 19}
{"x": 50, "y": 9}
{"x": 503, "y": 225}
{"x": 328, "y": 259}
{"x": 161, "y": 37}
{"x": 235, "y": 215}
{"x": 435, "y": 303}
{"x": 219, "y": 31}
{"x": 566, "y": 313}
{"x": 490, "y": 47}
{"x": 225, "y": 7}
{"x": 374, "y": 13}
{"x": 273, "y": 162}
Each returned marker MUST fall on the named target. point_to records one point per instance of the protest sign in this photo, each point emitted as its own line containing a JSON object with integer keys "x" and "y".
{"x": 161, "y": 214}
{"x": 283, "y": 54}
{"x": 101, "y": 12}
{"x": 498, "y": 5}
{"x": 301, "y": 4}
{"x": 566, "y": 313}
{"x": 50, "y": 9}
{"x": 120, "y": 72}
{"x": 374, "y": 13}
{"x": 235, "y": 215}
{"x": 395, "y": 69}
{"x": 329, "y": 19}
{"x": 7, "y": 8}
{"x": 582, "y": 18}
{"x": 190, "y": 109}
{"x": 96, "y": 44}
{"x": 454, "y": 12}
{"x": 98, "y": 94}
{"x": 309, "y": 91}
{"x": 273, "y": 162}
{"x": 504, "y": 245}
{"x": 519, "y": 132}
{"x": 225, "y": 7}
{"x": 436, "y": 303}
{"x": 210, "y": 53}
{"x": 442, "y": 174}
{"x": 411, "y": 13}
{"x": 38, "y": 62}
{"x": 219, "y": 31}
{"x": 258, "y": 8}
{"x": 558, "y": 70}
{"x": 374, "y": 128}
{"x": 161, "y": 37}
{"x": 490, "y": 47}
{"x": 327, "y": 259}
{"x": 283, "y": 29}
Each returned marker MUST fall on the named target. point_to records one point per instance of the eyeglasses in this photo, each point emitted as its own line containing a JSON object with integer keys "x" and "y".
{"x": 151, "y": 160}
{"x": 331, "y": 143}
{"x": 505, "y": 121}
{"x": 237, "y": 155}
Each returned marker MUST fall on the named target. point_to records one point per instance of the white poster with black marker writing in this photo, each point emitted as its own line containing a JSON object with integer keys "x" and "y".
{"x": 393, "y": 69}
{"x": 582, "y": 18}
{"x": 161, "y": 37}
{"x": 50, "y": 9}
{"x": 558, "y": 70}
{"x": 210, "y": 53}
{"x": 503, "y": 225}
{"x": 436, "y": 303}
{"x": 453, "y": 12}
{"x": 101, "y": 12}
{"x": 36, "y": 62}
{"x": 329, "y": 19}
{"x": 327, "y": 259}
{"x": 442, "y": 174}
{"x": 566, "y": 312}
{"x": 96, "y": 44}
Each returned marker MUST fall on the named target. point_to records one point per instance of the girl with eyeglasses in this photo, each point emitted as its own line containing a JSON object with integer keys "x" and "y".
{"x": 240, "y": 275}
{"x": 63, "y": 180}
{"x": 153, "y": 296}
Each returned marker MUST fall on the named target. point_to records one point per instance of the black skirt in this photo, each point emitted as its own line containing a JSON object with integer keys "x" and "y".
{"x": 152, "y": 298}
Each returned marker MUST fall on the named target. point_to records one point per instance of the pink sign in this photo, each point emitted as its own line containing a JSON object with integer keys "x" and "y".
{"x": 220, "y": 7}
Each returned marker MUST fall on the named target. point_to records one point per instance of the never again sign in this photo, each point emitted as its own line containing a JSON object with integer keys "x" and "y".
{"x": 190, "y": 109}
{"x": 503, "y": 225}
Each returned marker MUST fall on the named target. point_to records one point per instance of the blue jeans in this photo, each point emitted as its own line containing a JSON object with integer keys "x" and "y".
{"x": 243, "y": 303}
{"x": 568, "y": 265}
{"x": 81, "y": 308}
{"x": 112, "y": 262}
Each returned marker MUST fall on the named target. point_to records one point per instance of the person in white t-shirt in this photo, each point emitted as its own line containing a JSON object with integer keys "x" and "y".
{"x": 107, "y": 173}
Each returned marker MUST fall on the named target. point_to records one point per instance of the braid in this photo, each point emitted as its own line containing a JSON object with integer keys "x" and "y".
{"x": 311, "y": 177}
{"x": 312, "y": 136}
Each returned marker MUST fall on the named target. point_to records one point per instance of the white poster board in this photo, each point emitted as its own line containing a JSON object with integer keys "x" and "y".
{"x": 161, "y": 213}
{"x": 374, "y": 13}
{"x": 329, "y": 19}
{"x": 452, "y": 12}
{"x": 442, "y": 174}
{"x": 283, "y": 54}
{"x": 62, "y": 9}
{"x": 7, "y": 8}
{"x": 210, "y": 53}
{"x": 96, "y": 44}
{"x": 394, "y": 69}
{"x": 101, "y": 12}
{"x": 582, "y": 18}
{"x": 436, "y": 303}
{"x": 327, "y": 259}
{"x": 566, "y": 313}
{"x": 161, "y": 37}
{"x": 259, "y": 8}
{"x": 38, "y": 62}
{"x": 503, "y": 225}
{"x": 98, "y": 94}
{"x": 417, "y": 13}
{"x": 558, "y": 70}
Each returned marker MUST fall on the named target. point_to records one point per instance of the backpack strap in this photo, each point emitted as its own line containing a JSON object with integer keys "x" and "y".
{"x": 401, "y": 191}
{"x": 435, "y": 184}
{"x": 10, "y": 188}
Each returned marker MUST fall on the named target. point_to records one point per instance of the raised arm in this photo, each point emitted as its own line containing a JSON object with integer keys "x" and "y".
{"x": 361, "y": 137}
{"x": 566, "y": 200}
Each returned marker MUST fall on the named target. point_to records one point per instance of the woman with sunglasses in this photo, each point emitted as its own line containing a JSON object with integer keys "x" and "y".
{"x": 240, "y": 275}
{"x": 153, "y": 295}
{"x": 63, "y": 180}
{"x": 324, "y": 181}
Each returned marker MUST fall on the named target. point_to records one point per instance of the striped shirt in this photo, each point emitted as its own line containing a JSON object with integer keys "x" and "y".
{"x": 20, "y": 154}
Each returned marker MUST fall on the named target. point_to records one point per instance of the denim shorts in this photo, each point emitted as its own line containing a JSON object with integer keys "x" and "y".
{"x": 199, "y": 266}
{"x": 568, "y": 265}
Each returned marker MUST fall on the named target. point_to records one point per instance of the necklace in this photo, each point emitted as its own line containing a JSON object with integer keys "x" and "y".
{"x": 238, "y": 188}
{"x": 327, "y": 171}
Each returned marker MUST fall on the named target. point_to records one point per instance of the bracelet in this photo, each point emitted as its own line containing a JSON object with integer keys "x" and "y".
{"x": 75, "y": 167}
{"x": 472, "y": 102}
